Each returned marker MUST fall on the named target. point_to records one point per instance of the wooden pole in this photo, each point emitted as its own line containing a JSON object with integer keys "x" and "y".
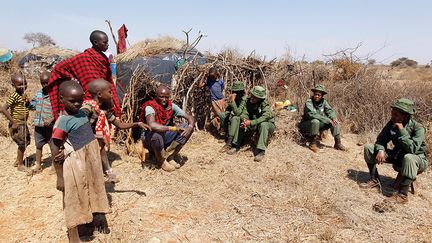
{"x": 112, "y": 33}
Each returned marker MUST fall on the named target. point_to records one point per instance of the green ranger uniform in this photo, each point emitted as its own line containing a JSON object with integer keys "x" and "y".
{"x": 318, "y": 117}
{"x": 234, "y": 109}
{"x": 261, "y": 117}
{"x": 408, "y": 154}
{"x": 231, "y": 116}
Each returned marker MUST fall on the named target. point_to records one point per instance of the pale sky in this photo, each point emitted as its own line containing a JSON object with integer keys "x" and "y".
{"x": 307, "y": 28}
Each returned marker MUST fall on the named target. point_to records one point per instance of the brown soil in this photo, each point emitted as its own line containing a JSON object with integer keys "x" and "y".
{"x": 293, "y": 195}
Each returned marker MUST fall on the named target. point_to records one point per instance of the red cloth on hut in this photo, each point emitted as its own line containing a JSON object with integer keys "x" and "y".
{"x": 122, "y": 35}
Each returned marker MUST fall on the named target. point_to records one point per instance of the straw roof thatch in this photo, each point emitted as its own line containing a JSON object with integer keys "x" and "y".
{"x": 48, "y": 51}
{"x": 151, "y": 47}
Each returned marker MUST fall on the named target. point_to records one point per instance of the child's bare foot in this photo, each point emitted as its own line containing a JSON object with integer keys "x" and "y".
{"x": 15, "y": 164}
{"x": 73, "y": 235}
{"x": 36, "y": 169}
{"x": 60, "y": 184}
{"x": 111, "y": 177}
{"x": 21, "y": 168}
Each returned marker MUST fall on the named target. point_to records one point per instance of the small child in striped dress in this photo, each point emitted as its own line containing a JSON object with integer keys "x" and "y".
{"x": 18, "y": 104}
{"x": 43, "y": 120}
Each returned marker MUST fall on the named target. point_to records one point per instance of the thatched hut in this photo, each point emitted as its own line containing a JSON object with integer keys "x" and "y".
{"x": 152, "y": 60}
{"x": 38, "y": 59}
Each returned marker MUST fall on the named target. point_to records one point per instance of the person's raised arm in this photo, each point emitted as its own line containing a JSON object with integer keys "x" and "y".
{"x": 154, "y": 126}
{"x": 190, "y": 119}
{"x": 202, "y": 81}
{"x": 123, "y": 125}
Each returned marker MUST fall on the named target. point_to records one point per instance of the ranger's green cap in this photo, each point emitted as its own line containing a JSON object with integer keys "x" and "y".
{"x": 404, "y": 105}
{"x": 259, "y": 92}
{"x": 237, "y": 86}
{"x": 319, "y": 88}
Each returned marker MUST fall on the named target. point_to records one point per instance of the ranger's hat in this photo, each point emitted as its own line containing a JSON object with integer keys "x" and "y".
{"x": 259, "y": 92}
{"x": 5, "y": 55}
{"x": 404, "y": 105}
{"x": 237, "y": 86}
{"x": 319, "y": 88}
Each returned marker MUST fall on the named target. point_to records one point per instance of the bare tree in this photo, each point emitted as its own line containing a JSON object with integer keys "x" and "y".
{"x": 39, "y": 39}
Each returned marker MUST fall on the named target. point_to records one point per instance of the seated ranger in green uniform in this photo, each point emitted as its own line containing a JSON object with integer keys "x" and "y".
{"x": 319, "y": 116}
{"x": 409, "y": 153}
{"x": 231, "y": 116}
{"x": 256, "y": 117}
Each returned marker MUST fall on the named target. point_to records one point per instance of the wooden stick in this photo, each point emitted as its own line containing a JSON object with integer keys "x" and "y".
{"x": 187, "y": 42}
{"x": 112, "y": 33}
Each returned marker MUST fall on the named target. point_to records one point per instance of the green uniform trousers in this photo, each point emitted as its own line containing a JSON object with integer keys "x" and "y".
{"x": 264, "y": 130}
{"x": 314, "y": 127}
{"x": 409, "y": 166}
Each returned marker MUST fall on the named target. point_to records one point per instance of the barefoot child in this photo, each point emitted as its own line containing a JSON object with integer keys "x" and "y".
{"x": 43, "y": 120}
{"x": 18, "y": 115}
{"x": 77, "y": 162}
{"x": 98, "y": 112}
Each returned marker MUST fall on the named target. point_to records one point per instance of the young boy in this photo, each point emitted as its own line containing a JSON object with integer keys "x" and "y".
{"x": 95, "y": 109}
{"x": 77, "y": 162}
{"x": 18, "y": 115}
{"x": 43, "y": 120}
{"x": 216, "y": 86}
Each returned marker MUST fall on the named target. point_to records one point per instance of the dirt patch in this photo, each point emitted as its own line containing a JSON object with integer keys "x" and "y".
{"x": 293, "y": 195}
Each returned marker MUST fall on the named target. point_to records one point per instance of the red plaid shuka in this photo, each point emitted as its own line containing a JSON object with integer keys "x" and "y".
{"x": 163, "y": 114}
{"x": 84, "y": 67}
{"x": 102, "y": 128}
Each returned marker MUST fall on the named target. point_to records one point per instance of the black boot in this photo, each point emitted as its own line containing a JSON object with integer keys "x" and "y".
{"x": 373, "y": 182}
{"x": 227, "y": 145}
{"x": 338, "y": 144}
{"x": 405, "y": 186}
{"x": 313, "y": 144}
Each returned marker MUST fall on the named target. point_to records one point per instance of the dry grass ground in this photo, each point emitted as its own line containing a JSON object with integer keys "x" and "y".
{"x": 293, "y": 195}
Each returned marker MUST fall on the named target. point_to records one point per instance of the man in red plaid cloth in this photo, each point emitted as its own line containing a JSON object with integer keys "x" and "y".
{"x": 85, "y": 67}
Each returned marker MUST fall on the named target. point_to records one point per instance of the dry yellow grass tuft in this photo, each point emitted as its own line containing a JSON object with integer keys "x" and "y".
{"x": 150, "y": 47}
{"x": 345, "y": 69}
{"x": 48, "y": 51}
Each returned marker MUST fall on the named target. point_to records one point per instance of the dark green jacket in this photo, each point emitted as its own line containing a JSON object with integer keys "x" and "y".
{"x": 321, "y": 111}
{"x": 409, "y": 140}
{"x": 258, "y": 114}
{"x": 236, "y": 107}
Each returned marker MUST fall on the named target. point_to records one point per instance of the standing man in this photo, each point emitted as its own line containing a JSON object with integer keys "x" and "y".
{"x": 257, "y": 117}
{"x": 408, "y": 155}
{"x": 165, "y": 136}
{"x": 85, "y": 67}
{"x": 319, "y": 116}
